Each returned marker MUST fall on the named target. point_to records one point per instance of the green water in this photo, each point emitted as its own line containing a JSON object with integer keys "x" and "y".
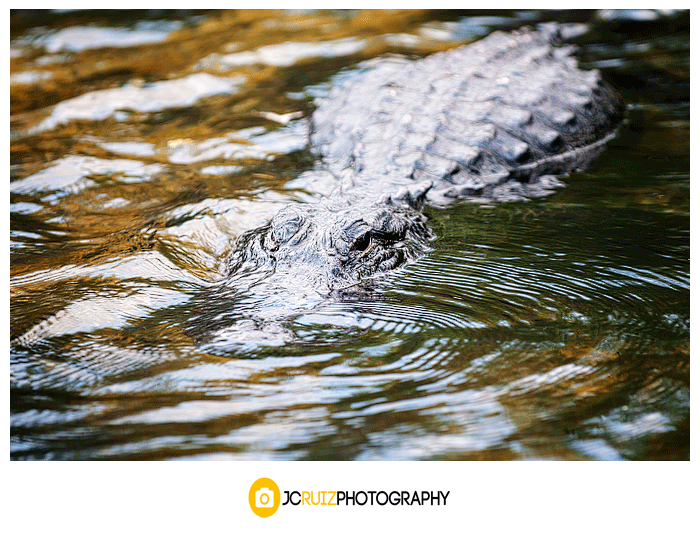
{"x": 556, "y": 329}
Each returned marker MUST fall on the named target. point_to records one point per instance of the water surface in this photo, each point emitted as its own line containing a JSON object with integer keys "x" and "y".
{"x": 142, "y": 144}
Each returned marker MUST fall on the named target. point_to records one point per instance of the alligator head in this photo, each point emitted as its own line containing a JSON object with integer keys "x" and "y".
{"x": 337, "y": 243}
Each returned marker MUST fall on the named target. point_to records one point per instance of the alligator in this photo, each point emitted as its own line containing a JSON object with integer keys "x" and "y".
{"x": 496, "y": 120}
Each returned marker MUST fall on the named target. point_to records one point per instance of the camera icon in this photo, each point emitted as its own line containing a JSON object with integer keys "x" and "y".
{"x": 264, "y": 498}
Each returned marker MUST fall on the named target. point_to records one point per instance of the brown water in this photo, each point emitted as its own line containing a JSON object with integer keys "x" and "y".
{"x": 143, "y": 143}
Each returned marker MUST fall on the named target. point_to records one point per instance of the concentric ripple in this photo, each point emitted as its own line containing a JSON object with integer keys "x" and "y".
{"x": 556, "y": 329}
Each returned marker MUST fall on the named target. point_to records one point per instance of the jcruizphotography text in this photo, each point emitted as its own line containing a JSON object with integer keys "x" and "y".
{"x": 362, "y": 498}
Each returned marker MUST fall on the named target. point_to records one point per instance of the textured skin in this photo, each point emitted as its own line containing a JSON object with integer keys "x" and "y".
{"x": 334, "y": 244}
{"x": 508, "y": 109}
{"x": 494, "y": 120}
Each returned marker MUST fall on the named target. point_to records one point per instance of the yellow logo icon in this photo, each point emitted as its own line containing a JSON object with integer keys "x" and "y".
{"x": 264, "y": 497}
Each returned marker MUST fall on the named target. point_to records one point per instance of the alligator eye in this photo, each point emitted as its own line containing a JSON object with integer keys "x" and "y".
{"x": 362, "y": 242}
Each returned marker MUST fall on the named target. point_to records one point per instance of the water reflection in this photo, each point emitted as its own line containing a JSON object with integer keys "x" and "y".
{"x": 71, "y": 174}
{"x": 139, "y": 97}
{"x": 550, "y": 329}
{"x": 79, "y": 38}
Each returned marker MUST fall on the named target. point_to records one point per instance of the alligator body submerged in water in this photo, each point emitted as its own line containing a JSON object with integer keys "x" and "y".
{"x": 496, "y": 120}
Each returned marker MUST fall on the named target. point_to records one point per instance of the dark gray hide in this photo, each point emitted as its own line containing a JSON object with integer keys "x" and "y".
{"x": 491, "y": 121}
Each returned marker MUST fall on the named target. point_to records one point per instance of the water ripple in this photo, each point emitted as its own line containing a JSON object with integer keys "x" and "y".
{"x": 556, "y": 329}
